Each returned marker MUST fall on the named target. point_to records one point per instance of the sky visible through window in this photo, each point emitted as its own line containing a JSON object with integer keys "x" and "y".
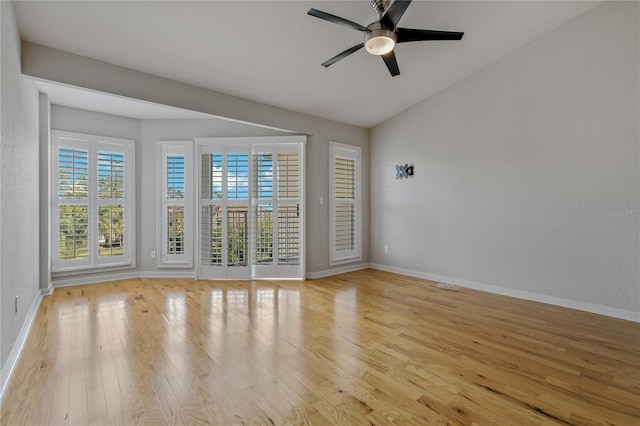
{"x": 238, "y": 176}
{"x": 175, "y": 177}
{"x": 73, "y": 170}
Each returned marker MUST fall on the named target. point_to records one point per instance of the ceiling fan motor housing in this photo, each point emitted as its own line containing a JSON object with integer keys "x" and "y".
{"x": 379, "y": 40}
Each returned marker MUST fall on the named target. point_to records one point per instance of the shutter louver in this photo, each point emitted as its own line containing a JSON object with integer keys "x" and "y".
{"x": 237, "y": 224}
{"x": 345, "y": 224}
{"x": 288, "y": 175}
{"x": 175, "y": 211}
{"x": 237, "y": 176}
{"x": 175, "y": 177}
{"x": 73, "y": 219}
{"x": 73, "y": 173}
{"x": 211, "y": 236}
{"x": 73, "y": 225}
{"x": 289, "y": 234}
{"x": 345, "y": 178}
{"x": 263, "y": 176}
{"x": 110, "y": 175}
{"x": 263, "y": 234}
{"x": 111, "y": 209}
{"x": 175, "y": 229}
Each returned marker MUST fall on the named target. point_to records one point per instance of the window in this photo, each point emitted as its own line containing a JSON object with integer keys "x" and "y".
{"x": 92, "y": 201}
{"x": 345, "y": 242}
{"x": 250, "y": 207}
{"x": 175, "y": 212}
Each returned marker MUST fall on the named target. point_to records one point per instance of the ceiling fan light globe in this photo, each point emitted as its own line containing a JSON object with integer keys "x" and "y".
{"x": 379, "y": 41}
{"x": 380, "y": 45}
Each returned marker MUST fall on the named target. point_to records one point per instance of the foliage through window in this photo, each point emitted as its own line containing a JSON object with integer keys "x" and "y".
{"x": 92, "y": 203}
{"x": 250, "y": 207}
{"x": 175, "y": 219}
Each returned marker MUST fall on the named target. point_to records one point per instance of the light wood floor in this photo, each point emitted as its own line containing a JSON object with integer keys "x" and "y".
{"x": 361, "y": 348}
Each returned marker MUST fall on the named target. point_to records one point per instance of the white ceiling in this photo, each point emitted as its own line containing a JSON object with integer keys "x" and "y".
{"x": 271, "y": 51}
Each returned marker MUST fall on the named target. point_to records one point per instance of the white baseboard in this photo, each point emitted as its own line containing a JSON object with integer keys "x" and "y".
{"x": 336, "y": 271}
{"x": 71, "y": 281}
{"x": 519, "y": 294}
{"x": 10, "y": 364}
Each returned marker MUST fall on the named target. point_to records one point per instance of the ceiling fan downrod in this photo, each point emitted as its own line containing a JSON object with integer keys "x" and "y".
{"x": 380, "y": 6}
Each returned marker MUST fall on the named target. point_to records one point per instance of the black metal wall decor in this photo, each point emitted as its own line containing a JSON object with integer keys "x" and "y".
{"x": 404, "y": 171}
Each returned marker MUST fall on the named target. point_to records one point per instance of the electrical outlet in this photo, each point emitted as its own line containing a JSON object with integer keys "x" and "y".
{"x": 16, "y": 307}
{"x": 321, "y": 200}
{"x": 386, "y": 249}
{"x": 153, "y": 254}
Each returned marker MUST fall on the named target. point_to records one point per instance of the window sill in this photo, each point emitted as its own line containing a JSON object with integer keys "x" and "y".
{"x": 91, "y": 270}
{"x": 345, "y": 260}
{"x": 176, "y": 265}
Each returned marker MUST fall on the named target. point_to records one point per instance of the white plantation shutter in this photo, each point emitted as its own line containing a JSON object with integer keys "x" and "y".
{"x": 72, "y": 194}
{"x": 237, "y": 235}
{"x": 263, "y": 205}
{"x": 111, "y": 203}
{"x": 288, "y": 208}
{"x": 176, "y": 204}
{"x": 289, "y": 235}
{"x": 224, "y": 211}
{"x": 277, "y": 210}
{"x": 211, "y": 211}
{"x": 251, "y": 207}
{"x": 92, "y": 201}
{"x": 211, "y": 235}
{"x": 345, "y": 204}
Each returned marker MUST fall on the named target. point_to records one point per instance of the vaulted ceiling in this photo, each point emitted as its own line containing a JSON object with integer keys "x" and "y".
{"x": 271, "y": 51}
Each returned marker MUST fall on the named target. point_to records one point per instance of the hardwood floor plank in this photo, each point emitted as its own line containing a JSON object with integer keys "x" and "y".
{"x": 366, "y": 347}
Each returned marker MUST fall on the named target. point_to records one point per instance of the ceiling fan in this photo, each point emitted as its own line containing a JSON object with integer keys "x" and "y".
{"x": 381, "y": 36}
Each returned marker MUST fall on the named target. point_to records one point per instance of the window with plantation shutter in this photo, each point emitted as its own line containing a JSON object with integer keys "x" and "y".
{"x": 92, "y": 201}
{"x": 345, "y": 204}
{"x": 175, "y": 212}
{"x": 251, "y": 207}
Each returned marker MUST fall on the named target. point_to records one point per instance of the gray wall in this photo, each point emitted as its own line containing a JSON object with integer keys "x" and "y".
{"x": 523, "y": 169}
{"x": 157, "y": 130}
{"x": 19, "y": 187}
{"x": 55, "y": 65}
{"x": 147, "y": 133}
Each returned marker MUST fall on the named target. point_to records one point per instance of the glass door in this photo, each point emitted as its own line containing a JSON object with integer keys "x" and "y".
{"x": 224, "y": 212}
{"x": 277, "y": 211}
{"x": 251, "y": 210}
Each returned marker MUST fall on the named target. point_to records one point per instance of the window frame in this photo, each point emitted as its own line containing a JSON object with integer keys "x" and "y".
{"x": 93, "y": 144}
{"x": 351, "y": 152}
{"x": 164, "y": 258}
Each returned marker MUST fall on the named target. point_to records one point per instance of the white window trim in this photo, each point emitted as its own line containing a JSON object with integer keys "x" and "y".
{"x": 164, "y": 259}
{"x": 93, "y": 143}
{"x": 339, "y": 257}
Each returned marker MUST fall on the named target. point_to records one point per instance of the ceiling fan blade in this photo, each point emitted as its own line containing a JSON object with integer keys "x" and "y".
{"x": 342, "y": 55}
{"x": 391, "y": 63}
{"x": 336, "y": 20}
{"x": 394, "y": 13}
{"x": 408, "y": 34}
